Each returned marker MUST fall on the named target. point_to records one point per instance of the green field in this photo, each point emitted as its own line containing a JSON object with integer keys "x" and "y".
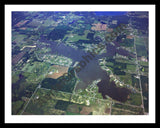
{"x": 132, "y": 109}
{"x": 127, "y": 79}
{"x": 135, "y": 99}
{"x": 23, "y": 86}
{"x": 76, "y": 37}
{"x": 131, "y": 67}
{"x": 60, "y": 103}
{"x": 63, "y": 83}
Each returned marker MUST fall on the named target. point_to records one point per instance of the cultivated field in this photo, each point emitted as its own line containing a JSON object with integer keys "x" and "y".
{"x": 57, "y": 71}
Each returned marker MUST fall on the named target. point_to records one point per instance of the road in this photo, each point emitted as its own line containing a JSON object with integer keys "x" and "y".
{"x": 138, "y": 73}
{"x": 39, "y": 86}
{"x": 29, "y": 100}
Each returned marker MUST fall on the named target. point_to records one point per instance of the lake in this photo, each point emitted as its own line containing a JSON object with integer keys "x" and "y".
{"x": 92, "y": 71}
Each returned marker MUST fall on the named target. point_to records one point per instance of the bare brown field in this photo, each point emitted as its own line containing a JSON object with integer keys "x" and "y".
{"x": 60, "y": 71}
{"x": 16, "y": 58}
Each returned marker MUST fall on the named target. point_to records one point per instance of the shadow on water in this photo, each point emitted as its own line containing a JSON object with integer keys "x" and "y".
{"x": 109, "y": 88}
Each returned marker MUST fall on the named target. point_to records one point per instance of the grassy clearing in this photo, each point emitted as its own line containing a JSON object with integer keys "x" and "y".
{"x": 76, "y": 37}
{"x": 131, "y": 67}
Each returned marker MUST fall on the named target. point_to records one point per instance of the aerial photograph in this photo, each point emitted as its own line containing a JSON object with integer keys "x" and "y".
{"x": 80, "y": 63}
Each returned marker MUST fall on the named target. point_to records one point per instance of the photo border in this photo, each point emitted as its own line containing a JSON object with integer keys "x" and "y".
{"x": 79, "y": 119}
